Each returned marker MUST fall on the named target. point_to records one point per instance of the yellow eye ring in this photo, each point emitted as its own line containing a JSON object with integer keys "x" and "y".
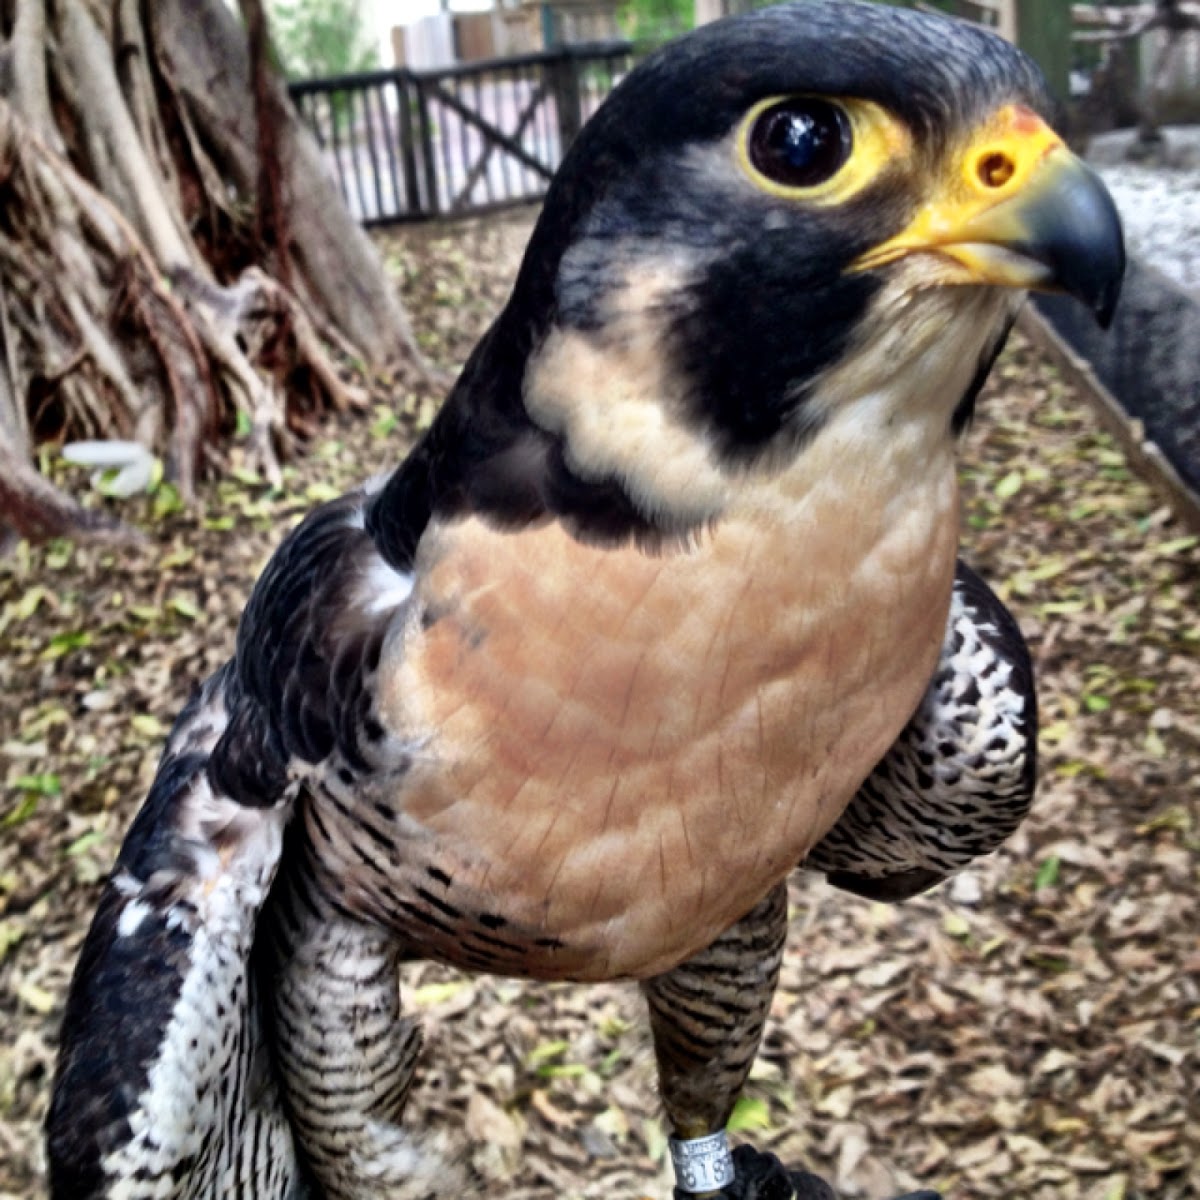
{"x": 841, "y": 143}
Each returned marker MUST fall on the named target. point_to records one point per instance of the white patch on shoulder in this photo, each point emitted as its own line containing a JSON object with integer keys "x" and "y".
{"x": 377, "y": 483}
{"x": 201, "y": 733}
{"x": 127, "y": 884}
{"x": 132, "y": 916}
{"x": 356, "y": 518}
{"x": 228, "y": 836}
{"x": 382, "y": 588}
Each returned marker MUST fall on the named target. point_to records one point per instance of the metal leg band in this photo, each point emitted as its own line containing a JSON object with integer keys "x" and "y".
{"x": 702, "y": 1164}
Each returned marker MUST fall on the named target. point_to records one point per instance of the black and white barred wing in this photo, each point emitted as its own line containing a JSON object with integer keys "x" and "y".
{"x": 167, "y": 1085}
{"x": 960, "y": 777}
{"x": 163, "y": 1085}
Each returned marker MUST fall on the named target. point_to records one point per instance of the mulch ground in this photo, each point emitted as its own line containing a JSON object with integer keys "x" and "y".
{"x": 1029, "y": 1030}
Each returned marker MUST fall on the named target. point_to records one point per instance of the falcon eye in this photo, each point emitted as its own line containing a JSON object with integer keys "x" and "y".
{"x": 801, "y": 142}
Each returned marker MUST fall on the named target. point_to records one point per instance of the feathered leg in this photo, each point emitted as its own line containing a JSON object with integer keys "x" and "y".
{"x": 707, "y": 1017}
{"x": 345, "y": 1054}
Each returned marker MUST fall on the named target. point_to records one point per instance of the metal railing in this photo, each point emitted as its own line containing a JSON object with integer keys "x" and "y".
{"x": 408, "y": 145}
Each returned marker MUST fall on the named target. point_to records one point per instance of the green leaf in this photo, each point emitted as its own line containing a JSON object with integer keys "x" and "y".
{"x": 64, "y": 643}
{"x": 438, "y": 993}
{"x": 562, "y": 1071}
{"x": 1154, "y": 745}
{"x": 30, "y": 602}
{"x": 1048, "y": 569}
{"x": 384, "y": 425}
{"x": 1053, "y": 963}
{"x": 23, "y": 810}
{"x": 1009, "y": 486}
{"x": 59, "y": 553}
{"x": 1166, "y": 549}
{"x": 320, "y": 492}
{"x": 148, "y": 726}
{"x": 1175, "y": 819}
{"x": 613, "y": 1026}
{"x": 179, "y": 557}
{"x": 1074, "y": 767}
{"x": 167, "y": 501}
{"x": 1047, "y": 875}
{"x": 185, "y": 607}
{"x": 609, "y": 1063}
{"x": 44, "y": 784}
{"x": 40, "y": 999}
{"x": 1117, "y": 1189}
{"x": 546, "y": 1052}
{"x": 956, "y": 926}
{"x": 749, "y": 1114}
{"x": 1097, "y": 704}
{"x": 1063, "y": 608}
{"x": 655, "y": 1138}
{"x": 10, "y": 935}
{"x": 84, "y": 843}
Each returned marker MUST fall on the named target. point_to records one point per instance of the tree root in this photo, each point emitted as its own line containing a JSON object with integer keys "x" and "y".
{"x": 33, "y": 507}
{"x": 140, "y": 294}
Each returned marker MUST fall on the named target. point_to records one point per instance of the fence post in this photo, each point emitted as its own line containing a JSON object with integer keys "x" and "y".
{"x": 564, "y": 82}
{"x": 425, "y": 128}
{"x": 408, "y": 149}
{"x": 1044, "y": 33}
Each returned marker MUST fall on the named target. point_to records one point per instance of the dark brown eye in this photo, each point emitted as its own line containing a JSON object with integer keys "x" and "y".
{"x": 800, "y": 142}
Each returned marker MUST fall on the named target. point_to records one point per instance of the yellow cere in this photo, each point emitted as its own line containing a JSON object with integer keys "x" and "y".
{"x": 1005, "y": 151}
{"x": 877, "y": 139}
{"x": 993, "y": 165}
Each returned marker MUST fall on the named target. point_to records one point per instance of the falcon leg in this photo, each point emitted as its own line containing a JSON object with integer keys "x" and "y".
{"x": 346, "y": 1056}
{"x": 707, "y": 1017}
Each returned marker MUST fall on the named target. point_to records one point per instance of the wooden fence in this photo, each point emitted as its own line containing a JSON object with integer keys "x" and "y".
{"x": 409, "y": 145}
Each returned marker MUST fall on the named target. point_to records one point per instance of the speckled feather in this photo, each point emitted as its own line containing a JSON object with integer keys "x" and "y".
{"x": 165, "y": 1088}
{"x": 961, "y": 776}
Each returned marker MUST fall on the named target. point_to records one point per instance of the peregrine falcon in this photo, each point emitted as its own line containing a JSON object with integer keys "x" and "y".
{"x": 664, "y": 604}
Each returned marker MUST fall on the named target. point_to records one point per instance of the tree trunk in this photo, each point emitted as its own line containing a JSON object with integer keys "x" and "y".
{"x": 174, "y": 259}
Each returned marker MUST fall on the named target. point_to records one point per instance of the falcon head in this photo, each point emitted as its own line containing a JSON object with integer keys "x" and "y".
{"x": 820, "y": 212}
{"x": 788, "y": 242}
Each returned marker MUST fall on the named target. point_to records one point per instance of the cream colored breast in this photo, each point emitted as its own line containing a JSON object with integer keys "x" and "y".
{"x": 629, "y": 750}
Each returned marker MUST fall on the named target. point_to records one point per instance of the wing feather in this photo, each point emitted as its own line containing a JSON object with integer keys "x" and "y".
{"x": 162, "y": 1086}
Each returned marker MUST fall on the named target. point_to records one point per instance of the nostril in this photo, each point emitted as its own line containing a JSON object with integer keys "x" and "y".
{"x": 995, "y": 169}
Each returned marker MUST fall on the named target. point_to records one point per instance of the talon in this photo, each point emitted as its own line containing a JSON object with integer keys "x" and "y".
{"x": 811, "y": 1187}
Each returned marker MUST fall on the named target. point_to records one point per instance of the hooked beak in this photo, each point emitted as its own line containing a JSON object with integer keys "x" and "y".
{"x": 1019, "y": 210}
